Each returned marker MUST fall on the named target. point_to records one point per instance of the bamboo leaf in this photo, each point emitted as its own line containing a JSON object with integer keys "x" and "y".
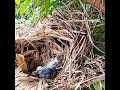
{"x": 42, "y": 8}
{"x": 20, "y": 60}
{"x": 17, "y": 2}
{"x": 25, "y": 5}
{"x": 97, "y": 86}
{"x": 37, "y": 2}
{"x": 47, "y": 6}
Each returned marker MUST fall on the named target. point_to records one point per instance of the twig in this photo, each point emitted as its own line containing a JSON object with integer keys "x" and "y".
{"x": 92, "y": 20}
{"x": 89, "y": 35}
{"x": 93, "y": 80}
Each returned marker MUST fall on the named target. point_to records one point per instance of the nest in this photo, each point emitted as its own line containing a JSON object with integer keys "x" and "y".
{"x": 66, "y": 35}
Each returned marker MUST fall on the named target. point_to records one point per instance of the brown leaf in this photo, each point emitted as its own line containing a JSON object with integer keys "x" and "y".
{"x": 28, "y": 79}
{"x": 18, "y": 69}
{"x": 34, "y": 88}
{"x": 21, "y": 60}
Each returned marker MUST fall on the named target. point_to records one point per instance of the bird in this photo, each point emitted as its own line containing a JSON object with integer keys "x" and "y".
{"x": 48, "y": 71}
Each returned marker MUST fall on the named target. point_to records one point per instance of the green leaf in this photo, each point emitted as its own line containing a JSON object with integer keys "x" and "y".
{"x": 42, "y": 8}
{"x": 52, "y": 10}
{"x": 56, "y": 4}
{"x": 82, "y": 1}
{"x": 47, "y": 6}
{"x": 87, "y": 6}
{"x": 97, "y": 86}
{"x": 25, "y": 5}
{"x": 37, "y": 2}
{"x": 17, "y": 2}
{"x": 103, "y": 84}
{"x": 32, "y": 10}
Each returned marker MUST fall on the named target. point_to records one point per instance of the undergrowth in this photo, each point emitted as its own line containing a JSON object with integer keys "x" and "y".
{"x": 28, "y": 12}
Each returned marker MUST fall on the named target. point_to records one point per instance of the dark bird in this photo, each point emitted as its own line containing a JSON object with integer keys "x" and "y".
{"x": 48, "y": 71}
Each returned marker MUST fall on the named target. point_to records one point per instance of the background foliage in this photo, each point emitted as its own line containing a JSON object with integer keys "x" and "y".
{"x": 29, "y": 11}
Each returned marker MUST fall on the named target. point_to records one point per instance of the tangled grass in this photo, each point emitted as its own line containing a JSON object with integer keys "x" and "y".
{"x": 67, "y": 35}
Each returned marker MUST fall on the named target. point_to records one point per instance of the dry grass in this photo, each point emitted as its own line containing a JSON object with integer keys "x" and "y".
{"x": 66, "y": 35}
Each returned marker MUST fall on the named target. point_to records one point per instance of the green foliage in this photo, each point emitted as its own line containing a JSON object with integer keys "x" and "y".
{"x": 29, "y": 11}
{"x": 87, "y": 6}
{"x": 99, "y": 85}
{"x": 99, "y": 33}
{"x": 25, "y": 5}
{"x": 99, "y": 39}
{"x": 17, "y": 1}
{"x": 75, "y": 4}
{"x": 103, "y": 84}
{"x": 47, "y": 6}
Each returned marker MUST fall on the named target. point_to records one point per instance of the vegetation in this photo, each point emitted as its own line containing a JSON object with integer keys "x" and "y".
{"x": 28, "y": 12}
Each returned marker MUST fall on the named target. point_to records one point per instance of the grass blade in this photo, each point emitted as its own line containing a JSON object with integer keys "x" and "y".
{"x": 97, "y": 86}
{"x": 17, "y": 2}
{"x": 25, "y": 5}
{"x": 47, "y": 6}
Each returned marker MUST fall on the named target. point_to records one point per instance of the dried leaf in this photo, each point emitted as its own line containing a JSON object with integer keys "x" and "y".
{"x": 28, "y": 79}
{"x": 21, "y": 60}
{"x": 34, "y": 88}
{"x": 18, "y": 69}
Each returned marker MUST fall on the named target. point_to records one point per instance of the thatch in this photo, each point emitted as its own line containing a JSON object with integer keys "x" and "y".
{"x": 65, "y": 35}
